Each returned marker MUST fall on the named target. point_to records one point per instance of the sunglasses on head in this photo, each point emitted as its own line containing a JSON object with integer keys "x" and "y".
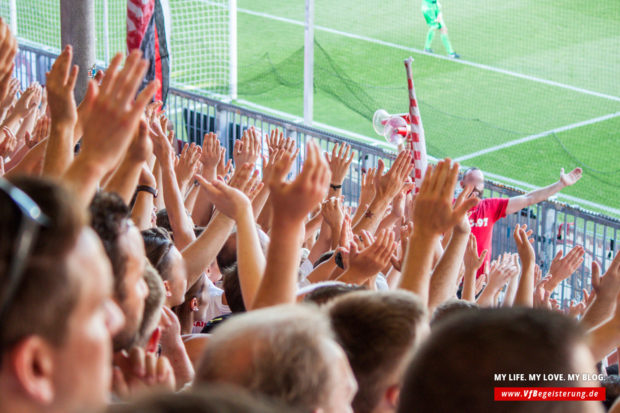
{"x": 31, "y": 221}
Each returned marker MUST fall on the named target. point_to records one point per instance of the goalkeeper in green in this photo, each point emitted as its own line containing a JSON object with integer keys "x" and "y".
{"x": 431, "y": 9}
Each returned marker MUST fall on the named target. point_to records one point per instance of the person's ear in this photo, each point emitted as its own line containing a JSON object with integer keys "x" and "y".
{"x": 32, "y": 365}
{"x": 168, "y": 289}
{"x": 392, "y": 395}
{"x": 193, "y": 304}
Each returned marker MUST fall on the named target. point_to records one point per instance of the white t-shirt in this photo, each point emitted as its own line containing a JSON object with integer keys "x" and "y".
{"x": 215, "y": 307}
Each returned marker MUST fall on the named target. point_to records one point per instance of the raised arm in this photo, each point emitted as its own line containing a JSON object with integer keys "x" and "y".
{"x": 112, "y": 119}
{"x": 60, "y": 84}
{"x": 446, "y": 272}
{"x": 525, "y": 291}
{"x": 182, "y": 227}
{"x": 434, "y": 213}
{"x": 292, "y": 202}
{"x": 250, "y": 258}
{"x": 517, "y": 203}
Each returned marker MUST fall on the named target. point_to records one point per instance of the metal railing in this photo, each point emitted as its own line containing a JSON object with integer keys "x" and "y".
{"x": 556, "y": 226}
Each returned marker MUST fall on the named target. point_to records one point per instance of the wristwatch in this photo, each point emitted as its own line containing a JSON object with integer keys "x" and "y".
{"x": 148, "y": 189}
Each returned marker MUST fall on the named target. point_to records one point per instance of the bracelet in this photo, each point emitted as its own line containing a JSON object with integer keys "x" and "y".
{"x": 146, "y": 188}
{"x": 335, "y": 186}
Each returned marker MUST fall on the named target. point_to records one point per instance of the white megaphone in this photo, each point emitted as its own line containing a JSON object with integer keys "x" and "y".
{"x": 394, "y": 128}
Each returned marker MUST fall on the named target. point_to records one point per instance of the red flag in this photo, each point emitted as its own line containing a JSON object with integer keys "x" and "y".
{"x": 146, "y": 30}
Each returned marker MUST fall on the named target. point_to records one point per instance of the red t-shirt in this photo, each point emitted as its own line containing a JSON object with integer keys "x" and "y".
{"x": 482, "y": 219}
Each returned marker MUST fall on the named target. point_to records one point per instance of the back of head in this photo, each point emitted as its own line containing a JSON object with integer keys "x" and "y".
{"x": 378, "y": 331}
{"x": 46, "y": 292}
{"x": 450, "y": 308}
{"x": 326, "y": 291}
{"x": 109, "y": 218}
{"x": 152, "y": 305}
{"x": 454, "y": 370}
{"x": 278, "y": 352}
{"x": 157, "y": 245}
{"x": 214, "y": 399}
{"x": 232, "y": 289}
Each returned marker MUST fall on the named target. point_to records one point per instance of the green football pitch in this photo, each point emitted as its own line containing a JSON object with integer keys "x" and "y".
{"x": 536, "y": 89}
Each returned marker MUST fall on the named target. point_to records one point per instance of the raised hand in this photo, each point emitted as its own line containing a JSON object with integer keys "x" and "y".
{"x": 388, "y": 184}
{"x": 114, "y": 114}
{"x": 472, "y": 261}
{"x": 525, "y": 291}
{"x": 434, "y": 211}
{"x": 248, "y": 149}
{"x": 41, "y": 132}
{"x": 333, "y": 214}
{"x": 60, "y": 84}
{"x": 369, "y": 261}
{"x": 563, "y": 267}
{"x": 210, "y": 155}
{"x": 339, "y": 162}
{"x": 293, "y": 201}
{"x": 8, "y": 50}
{"x": 524, "y": 244}
{"x": 368, "y": 189}
{"x": 161, "y": 145}
{"x": 570, "y": 178}
{"x": 276, "y": 141}
{"x": 8, "y": 142}
{"x": 137, "y": 372}
{"x": 188, "y": 164}
{"x": 228, "y": 200}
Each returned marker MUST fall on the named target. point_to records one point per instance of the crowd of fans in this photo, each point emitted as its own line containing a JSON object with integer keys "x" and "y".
{"x": 135, "y": 279}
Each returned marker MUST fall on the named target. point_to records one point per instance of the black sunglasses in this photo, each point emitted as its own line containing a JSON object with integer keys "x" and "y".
{"x": 32, "y": 220}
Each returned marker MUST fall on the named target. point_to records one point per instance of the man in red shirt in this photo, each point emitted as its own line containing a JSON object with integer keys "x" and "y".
{"x": 490, "y": 210}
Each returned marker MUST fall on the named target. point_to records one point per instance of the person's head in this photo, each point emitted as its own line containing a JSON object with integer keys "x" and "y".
{"x": 450, "y": 308}
{"x": 152, "y": 307}
{"x": 324, "y": 292}
{"x": 212, "y": 399}
{"x": 378, "y": 331}
{"x": 475, "y": 178}
{"x": 284, "y": 352}
{"x": 110, "y": 218}
{"x": 612, "y": 389}
{"x": 232, "y": 289}
{"x": 191, "y": 310}
{"x": 57, "y": 324}
{"x": 455, "y": 368}
{"x": 168, "y": 261}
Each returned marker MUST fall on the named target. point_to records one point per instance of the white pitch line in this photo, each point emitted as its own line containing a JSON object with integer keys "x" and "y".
{"x": 537, "y": 136}
{"x": 419, "y": 51}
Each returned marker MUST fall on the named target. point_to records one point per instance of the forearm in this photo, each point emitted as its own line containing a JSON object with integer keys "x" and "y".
{"x": 603, "y": 339}
{"x": 393, "y": 278}
{"x": 26, "y": 127}
{"x": 182, "y": 228}
{"x": 83, "y": 177}
{"x": 190, "y": 199}
{"x": 525, "y": 292}
{"x": 203, "y": 208}
{"x": 444, "y": 277}
{"x": 517, "y": 203}
{"x": 322, "y": 271}
{"x": 279, "y": 284}
{"x": 142, "y": 210}
{"x": 202, "y": 252}
{"x": 250, "y": 258}
{"x": 59, "y": 152}
{"x": 322, "y": 244}
{"x": 28, "y": 163}
{"x": 602, "y": 309}
{"x": 487, "y": 296}
{"x": 125, "y": 180}
{"x": 359, "y": 213}
{"x": 371, "y": 218}
{"x": 313, "y": 225}
{"x": 159, "y": 201}
{"x": 417, "y": 265}
{"x": 259, "y": 201}
{"x": 469, "y": 285}
{"x": 511, "y": 291}
{"x": 180, "y": 362}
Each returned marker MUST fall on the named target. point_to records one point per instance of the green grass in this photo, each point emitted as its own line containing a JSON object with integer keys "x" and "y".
{"x": 464, "y": 108}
